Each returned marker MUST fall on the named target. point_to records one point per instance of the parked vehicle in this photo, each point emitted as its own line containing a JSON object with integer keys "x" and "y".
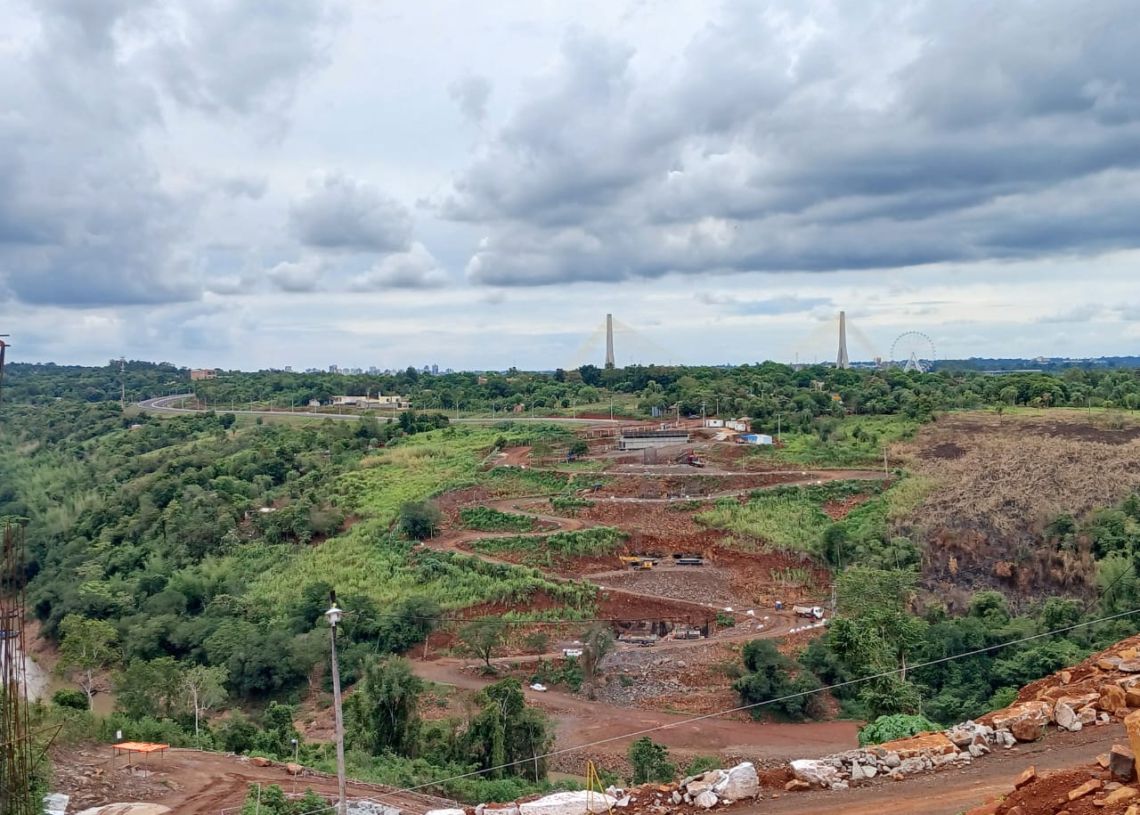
{"x": 571, "y": 652}
{"x": 815, "y": 612}
{"x": 538, "y": 687}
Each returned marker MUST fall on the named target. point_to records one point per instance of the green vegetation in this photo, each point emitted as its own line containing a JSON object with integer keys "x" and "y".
{"x": 493, "y": 520}
{"x": 190, "y": 558}
{"x": 898, "y": 726}
{"x": 774, "y": 684}
{"x": 559, "y": 547}
{"x": 650, "y": 762}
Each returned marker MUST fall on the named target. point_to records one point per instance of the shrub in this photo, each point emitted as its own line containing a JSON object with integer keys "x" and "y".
{"x": 68, "y": 697}
{"x": 896, "y": 726}
{"x": 492, "y": 520}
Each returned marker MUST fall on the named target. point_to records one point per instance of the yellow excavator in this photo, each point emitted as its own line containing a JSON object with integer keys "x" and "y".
{"x": 638, "y": 563}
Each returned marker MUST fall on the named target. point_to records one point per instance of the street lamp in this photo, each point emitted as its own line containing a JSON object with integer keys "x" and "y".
{"x": 333, "y": 615}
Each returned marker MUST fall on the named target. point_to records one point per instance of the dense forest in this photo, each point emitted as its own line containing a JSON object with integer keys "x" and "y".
{"x": 187, "y": 560}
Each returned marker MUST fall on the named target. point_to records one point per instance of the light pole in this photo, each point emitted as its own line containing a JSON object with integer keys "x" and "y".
{"x": 333, "y": 616}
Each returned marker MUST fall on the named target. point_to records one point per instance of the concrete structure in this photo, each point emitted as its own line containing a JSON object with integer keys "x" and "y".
{"x": 755, "y": 438}
{"x": 384, "y": 402}
{"x": 198, "y": 374}
{"x": 609, "y": 340}
{"x": 842, "y": 360}
{"x": 647, "y": 439}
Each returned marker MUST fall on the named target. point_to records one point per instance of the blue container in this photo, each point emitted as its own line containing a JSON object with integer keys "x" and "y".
{"x": 779, "y": 605}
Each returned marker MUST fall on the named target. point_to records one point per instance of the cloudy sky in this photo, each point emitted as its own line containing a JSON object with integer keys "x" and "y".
{"x": 369, "y": 182}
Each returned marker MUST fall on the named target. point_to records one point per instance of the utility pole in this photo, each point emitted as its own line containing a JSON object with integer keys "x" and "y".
{"x": 123, "y": 382}
{"x": 457, "y": 410}
{"x": 886, "y": 470}
{"x": 778, "y": 436}
{"x": 333, "y": 616}
{"x": 611, "y": 408}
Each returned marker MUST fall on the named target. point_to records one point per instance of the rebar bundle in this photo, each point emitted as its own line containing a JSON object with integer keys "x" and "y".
{"x": 15, "y": 739}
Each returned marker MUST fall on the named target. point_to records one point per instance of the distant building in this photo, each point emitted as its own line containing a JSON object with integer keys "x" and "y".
{"x": 755, "y": 438}
{"x": 197, "y": 374}
{"x": 435, "y": 370}
{"x": 388, "y": 402}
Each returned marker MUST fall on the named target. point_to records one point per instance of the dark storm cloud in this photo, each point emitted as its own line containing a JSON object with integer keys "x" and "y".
{"x": 343, "y": 213}
{"x": 86, "y": 219}
{"x": 793, "y": 137}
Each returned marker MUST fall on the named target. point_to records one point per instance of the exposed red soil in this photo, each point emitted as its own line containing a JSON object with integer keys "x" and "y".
{"x": 193, "y": 783}
{"x": 838, "y": 508}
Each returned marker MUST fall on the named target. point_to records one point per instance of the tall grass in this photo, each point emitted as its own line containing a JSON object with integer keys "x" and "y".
{"x": 790, "y": 521}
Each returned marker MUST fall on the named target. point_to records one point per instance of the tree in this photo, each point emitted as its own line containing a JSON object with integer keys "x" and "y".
{"x": 507, "y": 737}
{"x": 203, "y": 688}
{"x": 874, "y": 631}
{"x": 88, "y": 648}
{"x": 420, "y": 519}
{"x": 483, "y": 637}
{"x": 596, "y": 643}
{"x": 148, "y": 688}
{"x": 382, "y": 714}
{"x": 650, "y": 762}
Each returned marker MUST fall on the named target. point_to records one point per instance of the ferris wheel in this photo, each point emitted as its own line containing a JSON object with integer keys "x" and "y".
{"x": 913, "y": 351}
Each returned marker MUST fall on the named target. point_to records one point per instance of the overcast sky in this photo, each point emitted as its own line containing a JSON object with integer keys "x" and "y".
{"x": 238, "y": 183}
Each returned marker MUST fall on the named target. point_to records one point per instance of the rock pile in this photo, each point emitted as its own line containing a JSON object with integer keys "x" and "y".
{"x": 1103, "y": 688}
{"x": 1107, "y": 787}
{"x": 699, "y": 792}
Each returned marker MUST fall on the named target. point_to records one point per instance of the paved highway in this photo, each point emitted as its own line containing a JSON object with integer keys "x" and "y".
{"x": 165, "y": 404}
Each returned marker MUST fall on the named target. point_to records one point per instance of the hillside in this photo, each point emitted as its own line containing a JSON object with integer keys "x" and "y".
{"x": 199, "y": 547}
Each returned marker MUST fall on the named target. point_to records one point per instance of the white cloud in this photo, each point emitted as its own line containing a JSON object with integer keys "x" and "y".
{"x": 414, "y": 269}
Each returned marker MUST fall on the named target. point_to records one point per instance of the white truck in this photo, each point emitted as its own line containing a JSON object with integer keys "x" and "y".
{"x": 815, "y": 612}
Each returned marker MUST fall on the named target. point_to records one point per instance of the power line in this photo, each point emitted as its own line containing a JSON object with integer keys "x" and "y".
{"x": 754, "y": 705}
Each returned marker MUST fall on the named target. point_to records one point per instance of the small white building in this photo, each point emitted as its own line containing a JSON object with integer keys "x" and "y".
{"x": 714, "y": 422}
{"x": 755, "y": 438}
{"x": 741, "y": 425}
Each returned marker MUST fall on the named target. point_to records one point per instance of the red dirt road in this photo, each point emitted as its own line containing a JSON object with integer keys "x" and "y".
{"x": 582, "y": 722}
{"x": 952, "y": 791}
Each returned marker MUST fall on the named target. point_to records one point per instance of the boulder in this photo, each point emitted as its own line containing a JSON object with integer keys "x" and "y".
{"x": 857, "y": 773}
{"x": 705, "y": 781}
{"x": 577, "y": 802}
{"x": 1066, "y": 717}
{"x": 706, "y": 800}
{"x": 1087, "y": 715}
{"x": 923, "y": 745}
{"x": 1084, "y": 789}
{"x": 260, "y": 761}
{"x": 294, "y": 769}
{"x": 870, "y": 771}
{"x": 739, "y": 782}
{"x": 1111, "y": 697}
{"x": 1027, "y": 777}
{"x": 1129, "y": 666}
{"x": 1121, "y": 795}
{"x": 1122, "y": 762}
{"x": 797, "y": 785}
{"x": 892, "y": 760}
{"x": 1132, "y": 697}
{"x": 1027, "y": 729}
{"x": 815, "y": 772}
{"x": 1039, "y": 712}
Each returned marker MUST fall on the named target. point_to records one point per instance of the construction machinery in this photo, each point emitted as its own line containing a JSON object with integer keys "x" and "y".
{"x": 690, "y": 458}
{"x": 638, "y": 563}
{"x": 815, "y": 612}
